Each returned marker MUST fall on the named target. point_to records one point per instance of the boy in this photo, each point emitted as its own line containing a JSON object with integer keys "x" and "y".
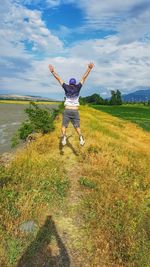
{"x": 71, "y": 113}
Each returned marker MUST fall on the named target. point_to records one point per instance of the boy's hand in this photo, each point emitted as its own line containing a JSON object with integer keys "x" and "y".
{"x": 51, "y": 68}
{"x": 91, "y": 65}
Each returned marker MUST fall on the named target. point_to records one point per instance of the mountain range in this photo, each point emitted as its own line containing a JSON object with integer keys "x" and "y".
{"x": 137, "y": 96}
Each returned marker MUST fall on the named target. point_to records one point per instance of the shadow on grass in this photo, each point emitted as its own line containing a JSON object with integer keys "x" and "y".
{"x": 61, "y": 147}
{"x": 39, "y": 253}
{"x": 4, "y": 181}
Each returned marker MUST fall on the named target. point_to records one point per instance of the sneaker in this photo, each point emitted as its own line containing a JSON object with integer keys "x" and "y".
{"x": 64, "y": 138}
{"x": 81, "y": 140}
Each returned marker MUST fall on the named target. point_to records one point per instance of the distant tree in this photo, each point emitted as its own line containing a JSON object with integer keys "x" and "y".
{"x": 106, "y": 102}
{"x": 95, "y": 99}
{"x": 118, "y": 97}
{"x": 82, "y": 100}
{"x": 115, "y": 98}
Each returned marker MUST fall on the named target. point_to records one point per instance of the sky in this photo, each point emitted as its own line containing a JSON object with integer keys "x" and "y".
{"x": 113, "y": 34}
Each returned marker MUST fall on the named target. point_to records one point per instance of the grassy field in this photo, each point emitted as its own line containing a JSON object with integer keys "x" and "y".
{"x": 138, "y": 114}
{"x": 90, "y": 204}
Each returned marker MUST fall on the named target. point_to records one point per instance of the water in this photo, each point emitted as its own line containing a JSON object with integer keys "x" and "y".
{"x": 11, "y": 116}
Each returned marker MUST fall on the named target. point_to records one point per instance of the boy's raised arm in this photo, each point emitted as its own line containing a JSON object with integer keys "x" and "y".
{"x": 90, "y": 67}
{"x": 56, "y": 76}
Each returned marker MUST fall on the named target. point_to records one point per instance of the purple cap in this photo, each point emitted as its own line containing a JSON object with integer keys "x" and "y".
{"x": 72, "y": 81}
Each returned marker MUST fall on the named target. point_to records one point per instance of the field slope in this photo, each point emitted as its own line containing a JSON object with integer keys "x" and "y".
{"x": 88, "y": 205}
{"x": 137, "y": 113}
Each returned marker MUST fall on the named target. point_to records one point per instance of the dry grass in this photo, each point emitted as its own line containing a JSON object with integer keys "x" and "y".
{"x": 107, "y": 219}
{"x": 117, "y": 159}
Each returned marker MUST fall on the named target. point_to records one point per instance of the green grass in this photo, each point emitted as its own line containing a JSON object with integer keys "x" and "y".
{"x": 27, "y": 188}
{"x": 87, "y": 183}
{"x": 134, "y": 113}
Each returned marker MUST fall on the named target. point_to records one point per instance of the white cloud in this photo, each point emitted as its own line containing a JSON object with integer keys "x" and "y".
{"x": 21, "y": 27}
{"x": 129, "y": 18}
{"x": 97, "y": 9}
{"x": 121, "y": 61}
{"x": 20, "y": 24}
{"x": 122, "y": 66}
{"x": 53, "y": 3}
{"x": 135, "y": 29}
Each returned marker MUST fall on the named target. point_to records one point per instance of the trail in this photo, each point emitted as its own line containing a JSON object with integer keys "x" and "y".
{"x": 61, "y": 237}
{"x": 68, "y": 221}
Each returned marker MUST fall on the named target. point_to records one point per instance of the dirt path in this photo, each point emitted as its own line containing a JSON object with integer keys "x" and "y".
{"x": 60, "y": 239}
{"x": 69, "y": 222}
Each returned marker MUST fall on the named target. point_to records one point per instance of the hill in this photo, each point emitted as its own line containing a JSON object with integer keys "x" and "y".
{"x": 24, "y": 97}
{"x": 78, "y": 206}
{"x": 137, "y": 96}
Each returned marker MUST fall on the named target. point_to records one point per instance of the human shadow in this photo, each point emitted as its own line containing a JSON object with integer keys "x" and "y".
{"x": 39, "y": 253}
{"x": 67, "y": 144}
{"x": 71, "y": 147}
{"x": 4, "y": 181}
{"x": 61, "y": 146}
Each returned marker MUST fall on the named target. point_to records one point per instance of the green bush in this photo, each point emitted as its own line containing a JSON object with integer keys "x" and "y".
{"x": 39, "y": 120}
{"x": 26, "y": 129}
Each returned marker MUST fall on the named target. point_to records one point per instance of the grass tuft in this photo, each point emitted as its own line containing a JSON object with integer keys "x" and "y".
{"x": 87, "y": 183}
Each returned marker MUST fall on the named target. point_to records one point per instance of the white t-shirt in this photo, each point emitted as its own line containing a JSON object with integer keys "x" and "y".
{"x": 72, "y": 102}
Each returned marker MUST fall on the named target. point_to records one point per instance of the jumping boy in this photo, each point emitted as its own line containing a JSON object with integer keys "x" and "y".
{"x": 71, "y": 113}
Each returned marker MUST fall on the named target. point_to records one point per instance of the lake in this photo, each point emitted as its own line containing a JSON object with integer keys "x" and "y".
{"x": 11, "y": 116}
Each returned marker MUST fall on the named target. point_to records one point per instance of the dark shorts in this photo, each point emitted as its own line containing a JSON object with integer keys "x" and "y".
{"x": 71, "y": 115}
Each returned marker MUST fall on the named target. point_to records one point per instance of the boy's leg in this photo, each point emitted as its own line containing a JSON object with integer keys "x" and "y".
{"x": 78, "y": 130}
{"x": 76, "y": 124}
{"x": 64, "y": 138}
{"x": 65, "y": 122}
{"x": 80, "y": 136}
{"x": 63, "y": 130}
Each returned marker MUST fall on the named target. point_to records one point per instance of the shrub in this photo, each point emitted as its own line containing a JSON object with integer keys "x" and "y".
{"x": 39, "y": 120}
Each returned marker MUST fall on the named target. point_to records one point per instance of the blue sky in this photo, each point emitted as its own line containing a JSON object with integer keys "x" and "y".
{"x": 113, "y": 34}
